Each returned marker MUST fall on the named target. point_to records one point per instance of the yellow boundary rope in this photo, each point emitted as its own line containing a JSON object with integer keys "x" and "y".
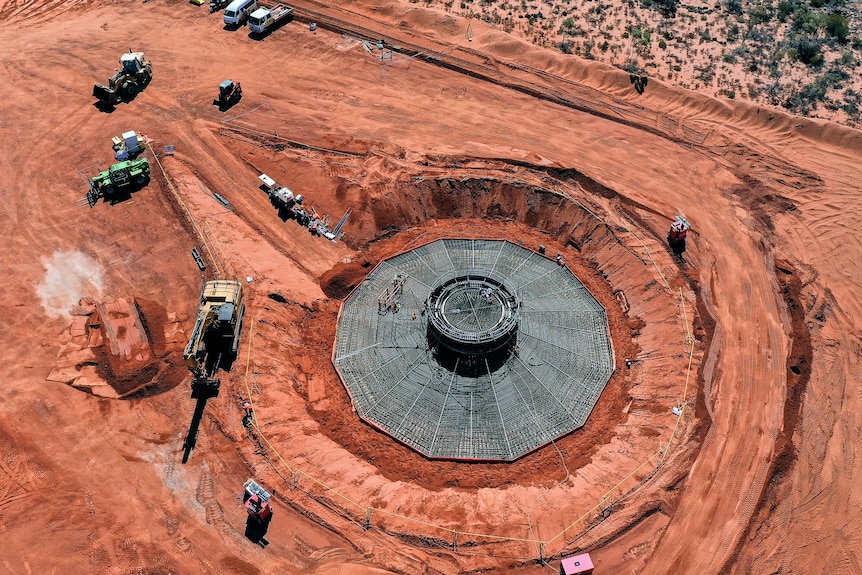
{"x": 202, "y": 237}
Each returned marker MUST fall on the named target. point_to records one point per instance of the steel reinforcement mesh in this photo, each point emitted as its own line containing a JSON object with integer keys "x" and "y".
{"x": 546, "y": 389}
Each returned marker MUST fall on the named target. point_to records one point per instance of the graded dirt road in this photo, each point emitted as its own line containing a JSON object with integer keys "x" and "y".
{"x": 754, "y": 337}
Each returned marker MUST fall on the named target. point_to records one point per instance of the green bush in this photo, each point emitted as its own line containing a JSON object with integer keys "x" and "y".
{"x": 732, "y": 32}
{"x": 851, "y": 103}
{"x": 760, "y": 14}
{"x": 785, "y": 8}
{"x": 814, "y": 91}
{"x": 847, "y": 59}
{"x": 666, "y": 7}
{"x": 662, "y": 44}
{"x": 834, "y": 76}
{"x": 733, "y": 6}
{"x": 806, "y": 98}
{"x": 808, "y": 50}
{"x": 837, "y": 26}
{"x": 805, "y": 21}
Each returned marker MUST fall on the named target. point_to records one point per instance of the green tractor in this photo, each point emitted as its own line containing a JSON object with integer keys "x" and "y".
{"x": 121, "y": 176}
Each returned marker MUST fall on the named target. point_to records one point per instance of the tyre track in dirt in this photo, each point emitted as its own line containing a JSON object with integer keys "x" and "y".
{"x": 744, "y": 369}
{"x": 747, "y": 399}
{"x": 15, "y": 486}
{"x": 33, "y": 12}
{"x": 588, "y": 100}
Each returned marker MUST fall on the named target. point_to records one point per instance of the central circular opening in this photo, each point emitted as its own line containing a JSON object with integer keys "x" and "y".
{"x": 472, "y": 324}
{"x": 473, "y": 310}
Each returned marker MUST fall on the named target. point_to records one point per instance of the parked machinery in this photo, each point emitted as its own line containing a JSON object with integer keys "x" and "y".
{"x": 213, "y": 345}
{"x": 264, "y": 18}
{"x": 256, "y": 501}
{"x": 120, "y": 176}
{"x": 290, "y": 205}
{"x": 216, "y": 5}
{"x": 229, "y": 93}
{"x": 135, "y": 74}
{"x": 129, "y": 145}
{"x": 215, "y": 338}
{"x": 257, "y": 505}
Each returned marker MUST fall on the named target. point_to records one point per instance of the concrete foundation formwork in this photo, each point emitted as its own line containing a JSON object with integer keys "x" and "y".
{"x": 473, "y": 349}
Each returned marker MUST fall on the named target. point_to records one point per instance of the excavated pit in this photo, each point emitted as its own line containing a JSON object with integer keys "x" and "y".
{"x": 417, "y": 212}
{"x": 614, "y": 246}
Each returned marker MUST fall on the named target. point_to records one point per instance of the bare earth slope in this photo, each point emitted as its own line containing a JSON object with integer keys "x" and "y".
{"x": 755, "y": 338}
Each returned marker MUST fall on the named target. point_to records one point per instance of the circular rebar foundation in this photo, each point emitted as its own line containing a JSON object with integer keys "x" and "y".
{"x": 473, "y": 349}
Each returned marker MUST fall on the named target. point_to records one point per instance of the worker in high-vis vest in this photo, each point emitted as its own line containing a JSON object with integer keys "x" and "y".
{"x": 676, "y": 237}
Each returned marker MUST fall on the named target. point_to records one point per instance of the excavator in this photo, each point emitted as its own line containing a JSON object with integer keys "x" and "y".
{"x": 213, "y": 345}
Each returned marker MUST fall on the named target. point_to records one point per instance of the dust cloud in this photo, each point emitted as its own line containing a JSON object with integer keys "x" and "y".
{"x": 69, "y": 276}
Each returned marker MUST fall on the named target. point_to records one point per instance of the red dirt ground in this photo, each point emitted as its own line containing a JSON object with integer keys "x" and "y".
{"x": 755, "y": 338}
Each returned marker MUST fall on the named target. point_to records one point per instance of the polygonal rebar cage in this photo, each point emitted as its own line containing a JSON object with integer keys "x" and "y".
{"x": 473, "y": 349}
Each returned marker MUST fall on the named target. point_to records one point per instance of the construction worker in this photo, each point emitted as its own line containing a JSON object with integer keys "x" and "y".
{"x": 676, "y": 237}
{"x": 249, "y": 414}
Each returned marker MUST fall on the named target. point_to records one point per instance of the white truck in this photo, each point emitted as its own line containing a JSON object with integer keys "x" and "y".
{"x": 238, "y": 11}
{"x": 264, "y": 19}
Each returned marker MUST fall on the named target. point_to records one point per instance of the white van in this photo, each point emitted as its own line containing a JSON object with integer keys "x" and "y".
{"x": 237, "y": 11}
